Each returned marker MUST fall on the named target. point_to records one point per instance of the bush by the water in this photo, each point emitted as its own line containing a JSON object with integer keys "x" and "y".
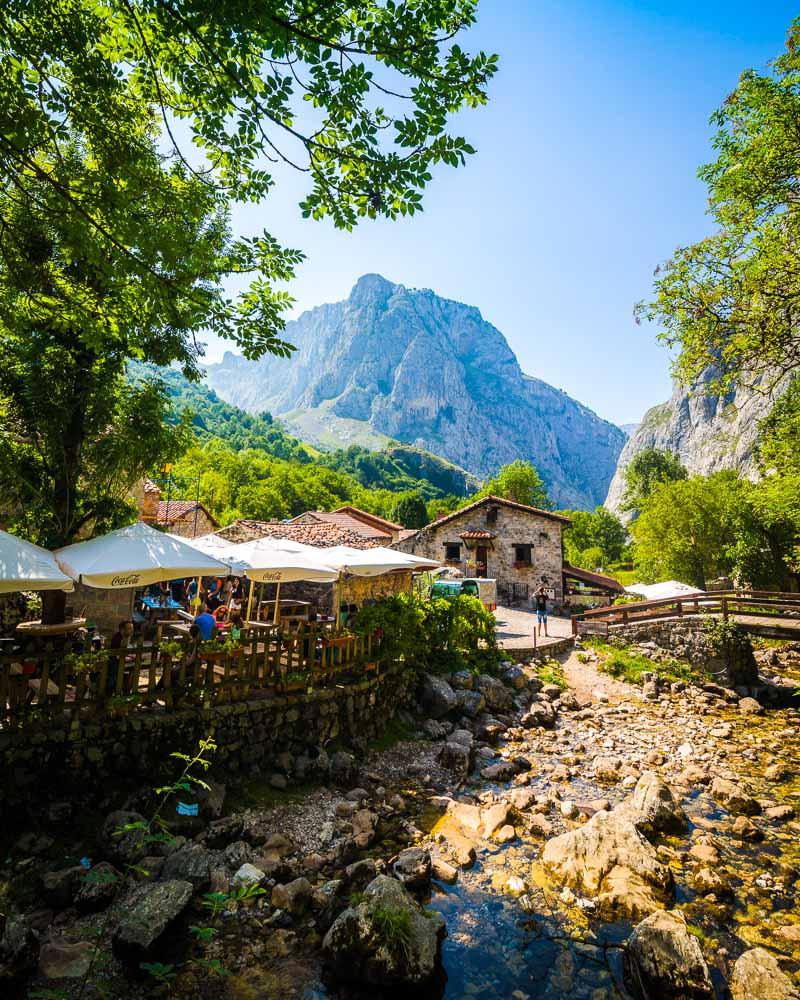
{"x": 439, "y": 635}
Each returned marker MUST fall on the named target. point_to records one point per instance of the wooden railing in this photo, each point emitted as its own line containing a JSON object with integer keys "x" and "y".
{"x": 768, "y": 603}
{"x": 172, "y": 673}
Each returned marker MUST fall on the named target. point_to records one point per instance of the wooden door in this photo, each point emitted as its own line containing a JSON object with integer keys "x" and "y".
{"x": 482, "y": 560}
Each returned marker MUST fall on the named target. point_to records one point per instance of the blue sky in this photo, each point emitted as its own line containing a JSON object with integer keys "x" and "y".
{"x": 584, "y": 180}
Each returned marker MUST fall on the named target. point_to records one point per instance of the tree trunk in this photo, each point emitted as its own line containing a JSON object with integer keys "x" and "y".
{"x": 54, "y": 607}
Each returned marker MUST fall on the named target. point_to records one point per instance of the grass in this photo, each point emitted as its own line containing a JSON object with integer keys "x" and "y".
{"x": 393, "y": 927}
{"x": 550, "y": 672}
{"x": 625, "y": 665}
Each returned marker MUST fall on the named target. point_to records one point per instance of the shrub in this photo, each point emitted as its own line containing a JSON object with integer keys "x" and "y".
{"x": 627, "y": 665}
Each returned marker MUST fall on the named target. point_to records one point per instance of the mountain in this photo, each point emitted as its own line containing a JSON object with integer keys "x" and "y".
{"x": 708, "y": 431}
{"x": 404, "y": 364}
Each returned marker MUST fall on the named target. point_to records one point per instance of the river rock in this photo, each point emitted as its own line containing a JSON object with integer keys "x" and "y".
{"x": 757, "y": 974}
{"x": 121, "y": 845}
{"x": 148, "y": 913}
{"x": 745, "y": 829}
{"x": 65, "y": 959}
{"x": 19, "y": 946}
{"x": 493, "y": 818}
{"x": 59, "y": 887}
{"x": 436, "y": 696}
{"x": 568, "y": 702}
{"x": 192, "y": 864}
{"x": 455, "y": 757}
{"x": 749, "y": 706}
{"x": 503, "y": 770}
{"x": 652, "y": 807}
{"x": 522, "y": 798}
{"x": 607, "y": 857}
{"x": 540, "y": 715}
{"x": 360, "y": 947}
{"x": 413, "y": 867}
{"x": 293, "y": 897}
{"x": 462, "y": 680}
{"x": 666, "y": 961}
{"x": 734, "y": 796}
{"x": 607, "y": 769}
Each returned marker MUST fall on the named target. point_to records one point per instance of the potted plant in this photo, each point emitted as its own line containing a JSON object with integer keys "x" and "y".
{"x": 295, "y": 680}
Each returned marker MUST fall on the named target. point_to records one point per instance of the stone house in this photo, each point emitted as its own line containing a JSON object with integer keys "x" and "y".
{"x": 519, "y": 546}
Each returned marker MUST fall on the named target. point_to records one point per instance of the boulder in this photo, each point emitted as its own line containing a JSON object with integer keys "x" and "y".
{"x": 119, "y": 843}
{"x": 568, "y": 702}
{"x": 343, "y": 770}
{"x": 503, "y": 770}
{"x": 522, "y": 798}
{"x": 607, "y": 769}
{"x": 757, "y": 974}
{"x": 551, "y": 691}
{"x": 386, "y": 940}
{"x": 97, "y": 888}
{"x": 455, "y": 757}
{"x": 515, "y": 677}
{"x": 540, "y": 715}
{"x": 470, "y": 703}
{"x": 365, "y": 823}
{"x": 497, "y": 695}
{"x": 666, "y": 961}
{"x": 293, "y": 897}
{"x": 247, "y": 875}
{"x": 749, "y": 706}
{"x": 151, "y": 909}
{"x": 652, "y": 807}
{"x": 494, "y": 817}
{"x": 462, "y": 680}
{"x": 65, "y": 959}
{"x": 192, "y": 864}
{"x": 745, "y": 829}
{"x": 734, "y": 796}
{"x": 609, "y": 858}
{"x": 413, "y": 867}
{"x": 436, "y": 696}
{"x": 19, "y": 946}
{"x": 462, "y": 736}
{"x": 59, "y": 887}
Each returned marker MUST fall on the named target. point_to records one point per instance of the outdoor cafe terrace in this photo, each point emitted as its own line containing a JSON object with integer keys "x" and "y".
{"x": 58, "y": 674}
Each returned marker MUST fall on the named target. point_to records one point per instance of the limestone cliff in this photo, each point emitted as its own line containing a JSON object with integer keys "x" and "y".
{"x": 709, "y": 432}
{"x": 393, "y": 362}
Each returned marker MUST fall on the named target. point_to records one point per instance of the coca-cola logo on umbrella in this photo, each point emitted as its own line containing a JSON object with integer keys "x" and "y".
{"x": 127, "y": 580}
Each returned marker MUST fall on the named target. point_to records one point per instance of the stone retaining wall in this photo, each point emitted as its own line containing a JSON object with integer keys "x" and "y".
{"x": 688, "y": 640}
{"x": 91, "y": 757}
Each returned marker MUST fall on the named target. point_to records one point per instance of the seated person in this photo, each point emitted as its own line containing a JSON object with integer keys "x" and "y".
{"x": 236, "y": 626}
{"x": 207, "y": 624}
{"x": 221, "y": 614}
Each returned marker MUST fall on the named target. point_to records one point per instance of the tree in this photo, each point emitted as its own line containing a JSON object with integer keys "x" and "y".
{"x": 355, "y": 96}
{"x": 731, "y": 301}
{"x": 410, "y": 511}
{"x": 519, "y": 481}
{"x": 645, "y": 471}
{"x": 703, "y": 527}
{"x": 596, "y": 537}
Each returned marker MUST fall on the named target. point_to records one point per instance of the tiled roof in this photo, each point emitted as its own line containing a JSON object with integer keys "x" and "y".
{"x": 150, "y": 487}
{"x": 597, "y": 578}
{"x": 363, "y": 515}
{"x": 477, "y": 535}
{"x": 322, "y": 534}
{"x": 345, "y": 521}
{"x": 500, "y": 502}
{"x": 173, "y": 510}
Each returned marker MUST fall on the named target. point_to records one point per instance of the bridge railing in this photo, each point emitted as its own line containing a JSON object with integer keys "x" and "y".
{"x": 777, "y": 604}
{"x": 174, "y": 673}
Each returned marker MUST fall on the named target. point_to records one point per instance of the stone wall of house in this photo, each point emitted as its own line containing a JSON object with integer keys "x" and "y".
{"x": 104, "y": 608}
{"x": 733, "y": 666}
{"x": 187, "y": 527}
{"x": 510, "y": 527}
{"x": 93, "y": 756}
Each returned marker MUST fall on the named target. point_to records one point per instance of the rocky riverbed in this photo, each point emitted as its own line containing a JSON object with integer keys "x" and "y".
{"x": 583, "y": 839}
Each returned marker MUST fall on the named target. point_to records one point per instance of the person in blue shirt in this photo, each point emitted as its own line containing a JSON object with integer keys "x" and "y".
{"x": 206, "y": 623}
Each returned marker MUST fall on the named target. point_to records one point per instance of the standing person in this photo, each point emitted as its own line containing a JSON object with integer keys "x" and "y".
{"x": 192, "y": 595}
{"x": 227, "y": 590}
{"x": 541, "y": 609}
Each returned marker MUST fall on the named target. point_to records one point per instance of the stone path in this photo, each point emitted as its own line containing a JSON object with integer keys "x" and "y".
{"x": 516, "y": 627}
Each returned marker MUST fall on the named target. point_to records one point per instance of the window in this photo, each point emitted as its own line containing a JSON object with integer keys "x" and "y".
{"x": 491, "y": 515}
{"x": 523, "y": 554}
{"x": 452, "y": 551}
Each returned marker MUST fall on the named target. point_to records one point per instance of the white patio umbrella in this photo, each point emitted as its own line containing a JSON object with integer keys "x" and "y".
{"x": 218, "y": 548}
{"x": 24, "y": 566}
{"x": 373, "y": 562}
{"x": 135, "y": 556}
{"x": 266, "y": 562}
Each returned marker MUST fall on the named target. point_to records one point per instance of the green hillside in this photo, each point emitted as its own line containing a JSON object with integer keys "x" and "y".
{"x": 247, "y": 465}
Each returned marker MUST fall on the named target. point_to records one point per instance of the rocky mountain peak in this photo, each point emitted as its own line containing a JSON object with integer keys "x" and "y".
{"x": 406, "y": 364}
